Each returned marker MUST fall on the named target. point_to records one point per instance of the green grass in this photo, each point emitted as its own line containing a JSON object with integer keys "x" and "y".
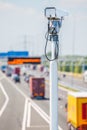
{"x": 68, "y": 88}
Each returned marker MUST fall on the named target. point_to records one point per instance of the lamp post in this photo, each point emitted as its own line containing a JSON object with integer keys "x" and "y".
{"x": 54, "y": 25}
{"x": 73, "y": 47}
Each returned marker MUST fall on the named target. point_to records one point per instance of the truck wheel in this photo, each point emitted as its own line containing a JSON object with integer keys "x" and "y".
{"x": 69, "y": 126}
{"x": 72, "y": 128}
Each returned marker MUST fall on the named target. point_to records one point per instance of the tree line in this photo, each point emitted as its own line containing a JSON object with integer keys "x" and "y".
{"x": 75, "y": 64}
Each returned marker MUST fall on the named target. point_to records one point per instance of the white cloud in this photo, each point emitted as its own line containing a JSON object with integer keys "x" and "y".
{"x": 70, "y": 2}
{"x": 12, "y": 7}
{"x": 16, "y": 21}
{"x": 6, "y": 6}
{"x": 73, "y": 3}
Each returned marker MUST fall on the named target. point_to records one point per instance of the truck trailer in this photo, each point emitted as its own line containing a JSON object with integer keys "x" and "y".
{"x": 77, "y": 111}
{"x": 16, "y": 74}
{"x": 17, "y": 70}
{"x": 37, "y": 87}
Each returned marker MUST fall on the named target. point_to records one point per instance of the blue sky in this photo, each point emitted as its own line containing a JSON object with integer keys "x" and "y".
{"x": 23, "y": 21}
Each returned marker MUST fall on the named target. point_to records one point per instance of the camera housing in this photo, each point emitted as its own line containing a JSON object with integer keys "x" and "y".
{"x": 50, "y": 12}
{"x": 54, "y": 22}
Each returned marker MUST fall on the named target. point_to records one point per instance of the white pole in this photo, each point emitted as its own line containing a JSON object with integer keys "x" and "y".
{"x": 53, "y": 92}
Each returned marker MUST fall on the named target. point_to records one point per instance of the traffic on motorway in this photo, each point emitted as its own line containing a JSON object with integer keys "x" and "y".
{"x": 15, "y": 102}
{"x": 25, "y": 96}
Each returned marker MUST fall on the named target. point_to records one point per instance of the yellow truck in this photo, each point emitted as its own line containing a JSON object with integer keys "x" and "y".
{"x": 77, "y": 111}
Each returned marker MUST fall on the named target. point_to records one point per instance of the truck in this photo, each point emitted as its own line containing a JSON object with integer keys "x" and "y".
{"x": 16, "y": 74}
{"x": 37, "y": 87}
{"x": 17, "y": 71}
{"x": 77, "y": 111}
{"x": 3, "y": 68}
{"x": 9, "y": 71}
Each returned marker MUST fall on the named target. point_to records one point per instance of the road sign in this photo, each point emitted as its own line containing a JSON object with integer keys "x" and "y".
{"x": 14, "y": 54}
{"x": 22, "y": 60}
{"x": 3, "y": 54}
{"x": 18, "y": 54}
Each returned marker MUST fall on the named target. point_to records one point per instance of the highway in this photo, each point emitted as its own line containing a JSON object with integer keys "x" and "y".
{"x": 73, "y": 82}
{"x": 19, "y": 112}
{"x": 12, "y": 115}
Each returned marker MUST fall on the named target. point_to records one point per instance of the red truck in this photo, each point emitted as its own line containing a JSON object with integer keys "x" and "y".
{"x": 37, "y": 87}
{"x": 17, "y": 71}
{"x": 16, "y": 74}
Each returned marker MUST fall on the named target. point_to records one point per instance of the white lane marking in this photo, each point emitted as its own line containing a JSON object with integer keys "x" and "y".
{"x": 6, "y": 102}
{"x": 36, "y": 126}
{"x": 29, "y": 115}
{"x": 15, "y": 86}
{"x": 2, "y": 77}
{"x": 43, "y": 114}
{"x": 25, "y": 115}
{"x": 61, "y": 106}
{"x": 46, "y": 116}
{"x": 59, "y": 128}
{"x": 26, "y": 101}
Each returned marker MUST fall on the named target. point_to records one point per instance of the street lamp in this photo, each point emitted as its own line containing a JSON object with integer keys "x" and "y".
{"x": 54, "y": 25}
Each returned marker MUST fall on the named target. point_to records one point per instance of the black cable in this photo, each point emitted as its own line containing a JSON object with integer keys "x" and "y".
{"x": 56, "y": 48}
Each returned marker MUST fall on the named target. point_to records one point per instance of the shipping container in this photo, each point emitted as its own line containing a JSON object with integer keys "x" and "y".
{"x": 17, "y": 70}
{"x": 37, "y": 87}
{"x": 77, "y": 111}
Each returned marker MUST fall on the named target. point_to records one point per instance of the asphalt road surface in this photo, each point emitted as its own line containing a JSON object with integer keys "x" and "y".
{"x": 19, "y": 112}
{"x": 73, "y": 82}
{"x": 12, "y": 116}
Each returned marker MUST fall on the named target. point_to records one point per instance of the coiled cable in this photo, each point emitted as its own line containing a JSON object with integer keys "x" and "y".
{"x": 48, "y": 38}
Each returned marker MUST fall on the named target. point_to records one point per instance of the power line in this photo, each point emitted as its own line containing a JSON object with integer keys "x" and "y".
{"x": 25, "y": 42}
